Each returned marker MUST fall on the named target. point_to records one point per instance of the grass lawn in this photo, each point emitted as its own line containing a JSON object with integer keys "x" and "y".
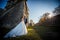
{"x": 41, "y": 30}
{"x": 32, "y": 35}
{"x": 37, "y": 33}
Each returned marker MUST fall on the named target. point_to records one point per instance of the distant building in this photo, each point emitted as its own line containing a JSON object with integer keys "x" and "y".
{"x": 31, "y": 23}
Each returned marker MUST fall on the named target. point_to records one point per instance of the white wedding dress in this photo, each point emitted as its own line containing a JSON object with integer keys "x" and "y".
{"x": 19, "y": 30}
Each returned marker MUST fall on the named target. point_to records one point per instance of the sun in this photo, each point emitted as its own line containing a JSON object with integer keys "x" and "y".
{"x": 50, "y": 16}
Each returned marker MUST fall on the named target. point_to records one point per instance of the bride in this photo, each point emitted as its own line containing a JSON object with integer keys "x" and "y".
{"x": 19, "y": 30}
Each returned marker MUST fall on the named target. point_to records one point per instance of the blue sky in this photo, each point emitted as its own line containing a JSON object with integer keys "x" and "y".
{"x": 38, "y": 7}
{"x": 3, "y": 3}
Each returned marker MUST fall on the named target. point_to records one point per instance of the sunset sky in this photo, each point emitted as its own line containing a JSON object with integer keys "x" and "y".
{"x": 38, "y": 7}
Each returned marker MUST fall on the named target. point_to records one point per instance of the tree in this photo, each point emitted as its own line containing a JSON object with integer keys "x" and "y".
{"x": 44, "y": 18}
{"x": 31, "y": 23}
{"x": 57, "y": 10}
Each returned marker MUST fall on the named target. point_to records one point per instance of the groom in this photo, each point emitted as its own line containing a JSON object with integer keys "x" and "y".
{"x": 25, "y": 21}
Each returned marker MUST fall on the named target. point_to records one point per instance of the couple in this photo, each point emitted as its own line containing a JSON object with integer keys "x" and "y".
{"x": 19, "y": 30}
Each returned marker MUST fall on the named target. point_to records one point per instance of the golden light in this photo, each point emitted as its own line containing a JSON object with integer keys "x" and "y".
{"x": 50, "y": 16}
{"x": 30, "y": 29}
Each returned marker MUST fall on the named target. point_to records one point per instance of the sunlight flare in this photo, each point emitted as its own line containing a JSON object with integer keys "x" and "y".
{"x": 50, "y": 15}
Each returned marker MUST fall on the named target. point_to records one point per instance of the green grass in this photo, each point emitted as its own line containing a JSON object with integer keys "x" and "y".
{"x": 32, "y": 35}
{"x": 41, "y": 30}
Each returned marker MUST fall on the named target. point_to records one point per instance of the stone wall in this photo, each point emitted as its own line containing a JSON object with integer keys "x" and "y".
{"x": 13, "y": 17}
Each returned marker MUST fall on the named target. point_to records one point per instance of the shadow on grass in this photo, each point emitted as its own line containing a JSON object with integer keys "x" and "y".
{"x": 46, "y": 32}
